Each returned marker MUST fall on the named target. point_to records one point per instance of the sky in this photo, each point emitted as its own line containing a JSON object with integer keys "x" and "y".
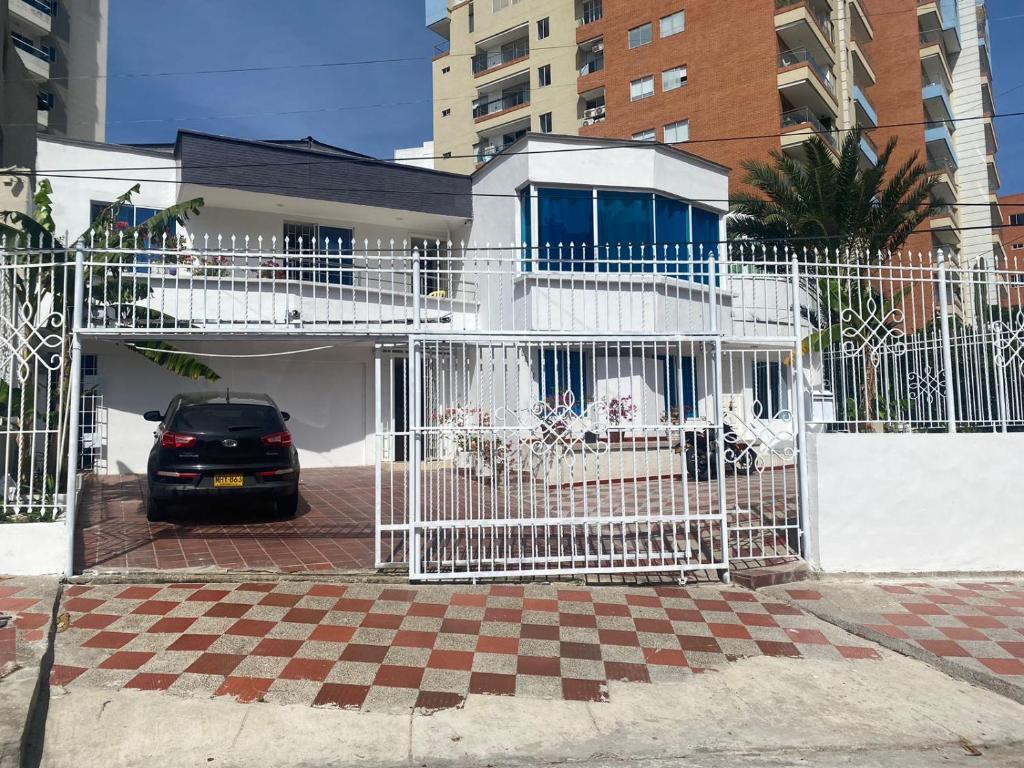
{"x": 370, "y": 108}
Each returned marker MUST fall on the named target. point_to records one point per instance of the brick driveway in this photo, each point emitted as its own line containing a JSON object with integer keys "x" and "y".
{"x": 333, "y": 529}
{"x": 375, "y": 647}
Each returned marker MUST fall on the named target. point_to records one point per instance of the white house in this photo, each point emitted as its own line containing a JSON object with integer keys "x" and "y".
{"x": 308, "y": 264}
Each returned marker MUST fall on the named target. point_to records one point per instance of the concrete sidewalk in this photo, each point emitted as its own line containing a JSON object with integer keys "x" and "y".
{"x": 970, "y": 629}
{"x": 30, "y": 603}
{"x": 302, "y": 674}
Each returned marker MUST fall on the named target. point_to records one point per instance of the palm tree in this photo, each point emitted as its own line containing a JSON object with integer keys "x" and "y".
{"x": 830, "y": 205}
{"x": 839, "y": 213}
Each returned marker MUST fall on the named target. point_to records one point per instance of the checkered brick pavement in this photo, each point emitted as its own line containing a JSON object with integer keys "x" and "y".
{"x": 973, "y": 624}
{"x": 379, "y": 647}
{"x": 28, "y": 602}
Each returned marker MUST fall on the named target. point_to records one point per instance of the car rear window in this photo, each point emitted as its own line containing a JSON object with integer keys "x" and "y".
{"x": 223, "y": 417}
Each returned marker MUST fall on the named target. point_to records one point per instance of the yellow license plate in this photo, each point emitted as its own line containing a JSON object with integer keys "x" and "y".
{"x": 227, "y": 481}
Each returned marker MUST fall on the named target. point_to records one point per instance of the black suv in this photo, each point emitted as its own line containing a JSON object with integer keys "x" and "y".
{"x": 222, "y": 444}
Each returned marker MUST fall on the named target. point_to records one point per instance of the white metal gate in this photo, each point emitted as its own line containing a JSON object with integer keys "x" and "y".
{"x": 568, "y": 456}
{"x": 36, "y": 294}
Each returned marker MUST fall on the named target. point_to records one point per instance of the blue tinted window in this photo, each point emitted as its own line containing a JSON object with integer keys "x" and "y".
{"x": 564, "y": 217}
{"x": 526, "y": 227}
{"x": 673, "y": 219}
{"x": 625, "y": 230}
{"x": 679, "y": 372}
{"x": 705, "y": 236}
{"x": 336, "y": 243}
{"x": 565, "y": 378}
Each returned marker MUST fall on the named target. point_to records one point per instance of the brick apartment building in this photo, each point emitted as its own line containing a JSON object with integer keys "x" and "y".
{"x": 765, "y": 74}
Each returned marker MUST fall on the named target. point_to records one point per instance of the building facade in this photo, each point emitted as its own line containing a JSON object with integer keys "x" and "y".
{"x": 54, "y": 74}
{"x": 737, "y": 84}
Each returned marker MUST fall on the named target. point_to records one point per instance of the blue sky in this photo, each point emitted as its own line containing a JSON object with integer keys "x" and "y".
{"x": 371, "y": 108}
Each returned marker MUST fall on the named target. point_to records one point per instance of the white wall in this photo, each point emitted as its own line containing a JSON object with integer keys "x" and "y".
{"x": 72, "y": 196}
{"x": 420, "y": 157}
{"x": 33, "y": 549}
{"x": 916, "y": 502}
{"x": 329, "y": 395}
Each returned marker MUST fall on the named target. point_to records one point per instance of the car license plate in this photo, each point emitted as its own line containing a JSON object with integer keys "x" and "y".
{"x": 227, "y": 481}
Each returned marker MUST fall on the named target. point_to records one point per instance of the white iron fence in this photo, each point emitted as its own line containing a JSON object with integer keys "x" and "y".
{"x": 561, "y": 409}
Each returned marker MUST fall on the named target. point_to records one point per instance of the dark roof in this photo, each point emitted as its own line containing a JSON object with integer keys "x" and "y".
{"x": 310, "y": 143}
{"x": 312, "y": 172}
{"x": 245, "y": 398}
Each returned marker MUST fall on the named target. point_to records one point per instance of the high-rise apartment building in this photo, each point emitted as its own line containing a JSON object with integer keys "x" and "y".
{"x": 737, "y": 78}
{"x": 52, "y": 74}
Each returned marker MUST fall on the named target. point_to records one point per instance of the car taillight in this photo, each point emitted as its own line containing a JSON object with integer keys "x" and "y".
{"x": 175, "y": 440}
{"x": 276, "y": 472}
{"x": 277, "y": 440}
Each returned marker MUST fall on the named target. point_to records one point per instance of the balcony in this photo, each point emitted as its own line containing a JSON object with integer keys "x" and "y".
{"x": 866, "y": 115}
{"x": 38, "y": 14}
{"x": 507, "y": 54}
{"x": 945, "y": 185}
{"x": 799, "y": 126}
{"x": 509, "y": 100}
{"x": 944, "y": 225}
{"x": 991, "y": 142}
{"x": 35, "y": 57}
{"x": 437, "y": 17}
{"x": 588, "y": 12}
{"x": 929, "y": 14}
{"x": 860, "y": 23}
{"x": 937, "y": 104}
{"x": 863, "y": 73}
{"x": 803, "y": 25}
{"x": 988, "y": 105}
{"x": 804, "y": 82}
{"x": 590, "y": 58}
{"x": 939, "y": 141}
{"x": 994, "y": 180}
{"x": 868, "y": 151}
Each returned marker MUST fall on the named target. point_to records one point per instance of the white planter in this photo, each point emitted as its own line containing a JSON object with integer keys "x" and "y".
{"x": 33, "y": 549}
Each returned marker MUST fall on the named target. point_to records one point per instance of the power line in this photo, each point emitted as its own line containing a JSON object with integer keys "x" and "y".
{"x": 559, "y": 150}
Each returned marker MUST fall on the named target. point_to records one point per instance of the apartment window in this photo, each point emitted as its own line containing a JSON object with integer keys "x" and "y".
{"x": 641, "y": 89}
{"x": 673, "y": 78}
{"x": 1017, "y": 219}
{"x": 543, "y": 28}
{"x": 44, "y": 101}
{"x": 640, "y": 35}
{"x": 649, "y": 135}
{"x": 673, "y": 24}
{"x": 1017, "y": 247}
{"x": 446, "y": 155}
{"x": 677, "y": 132}
{"x": 90, "y": 365}
{"x": 500, "y": 5}
{"x": 544, "y": 75}
{"x": 676, "y": 375}
{"x": 324, "y": 253}
{"x": 472, "y": 22}
{"x": 545, "y": 123}
{"x": 445, "y": 70}
{"x": 446, "y": 112}
{"x": 771, "y": 391}
{"x": 129, "y": 216}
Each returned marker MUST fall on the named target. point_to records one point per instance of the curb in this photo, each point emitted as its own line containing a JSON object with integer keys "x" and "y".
{"x": 902, "y": 647}
{"x": 34, "y": 732}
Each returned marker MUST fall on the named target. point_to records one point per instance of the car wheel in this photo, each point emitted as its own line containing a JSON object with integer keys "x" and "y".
{"x": 156, "y": 511}
{"x": 287, "y": 506}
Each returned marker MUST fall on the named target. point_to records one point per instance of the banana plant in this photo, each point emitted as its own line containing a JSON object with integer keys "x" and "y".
{"x": 43, "y": 295}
